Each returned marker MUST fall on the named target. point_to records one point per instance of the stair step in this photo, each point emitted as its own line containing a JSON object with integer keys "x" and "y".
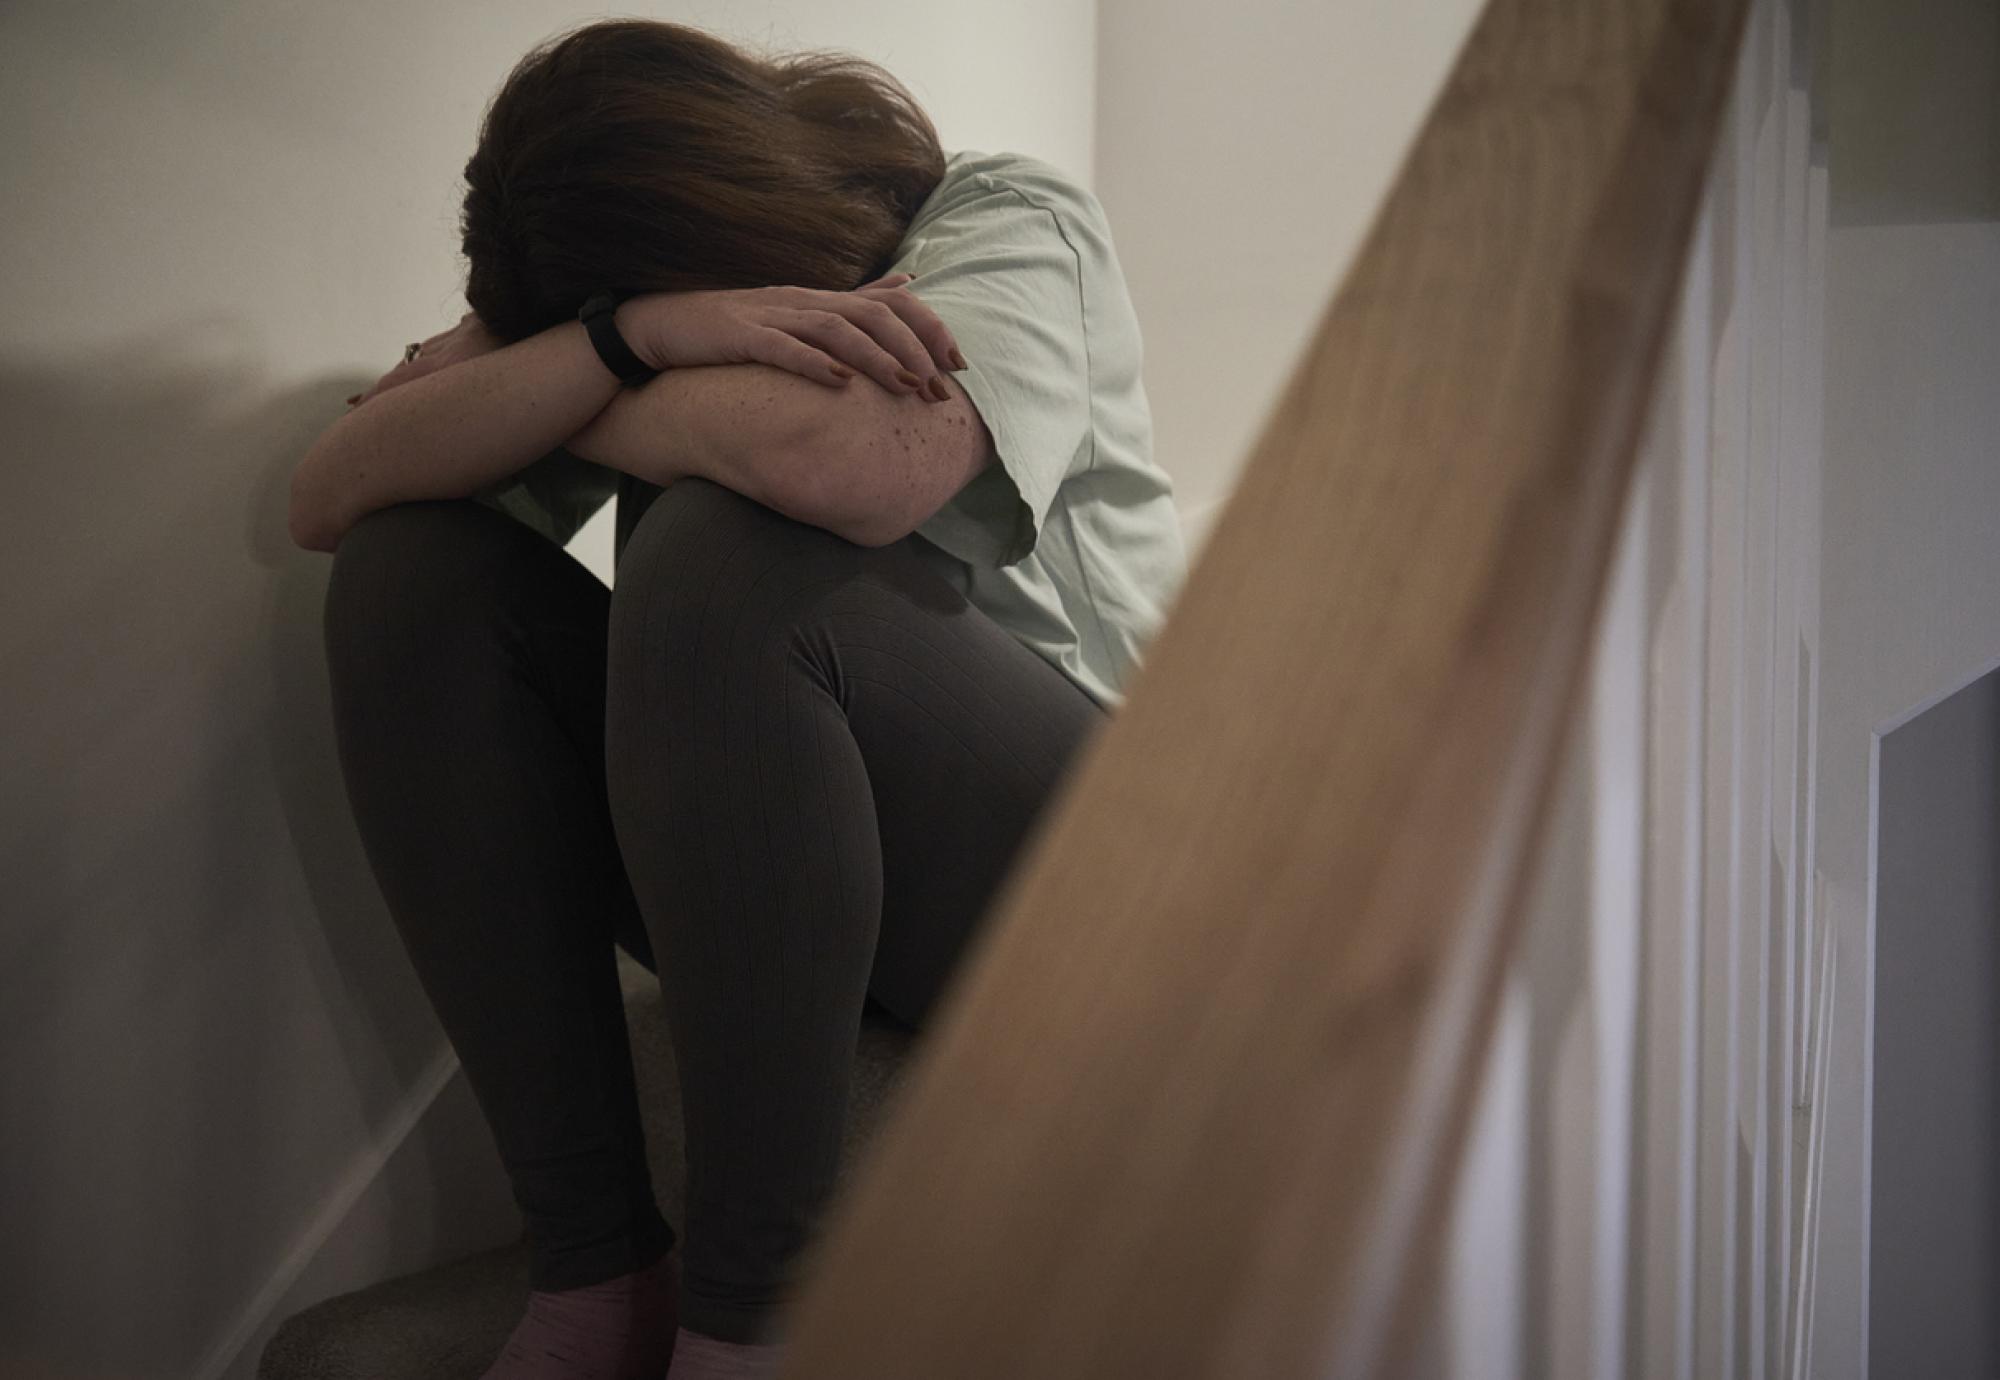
{"x": 448, "y": 1322}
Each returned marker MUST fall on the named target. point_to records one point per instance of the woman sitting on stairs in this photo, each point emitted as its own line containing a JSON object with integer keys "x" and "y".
{"x": 890, "y": 542}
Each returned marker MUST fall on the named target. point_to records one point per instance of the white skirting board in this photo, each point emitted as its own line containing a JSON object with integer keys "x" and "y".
{"x": 429, "y": 1188}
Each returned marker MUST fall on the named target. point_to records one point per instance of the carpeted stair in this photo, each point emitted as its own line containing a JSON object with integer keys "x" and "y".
{"x": 448, "y": 1323}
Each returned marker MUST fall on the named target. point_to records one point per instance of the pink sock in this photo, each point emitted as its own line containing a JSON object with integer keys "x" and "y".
{"x": 622, "y": 1329}
{"x": 698, "y": 1356}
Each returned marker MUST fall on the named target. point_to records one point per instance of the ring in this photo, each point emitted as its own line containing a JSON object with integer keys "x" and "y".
{"x": 411, "y": 350}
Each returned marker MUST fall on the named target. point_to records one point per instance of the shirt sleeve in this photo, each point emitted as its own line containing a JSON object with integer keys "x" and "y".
{"x": 1001, "y": 272}
{"x": 555, "y": 495}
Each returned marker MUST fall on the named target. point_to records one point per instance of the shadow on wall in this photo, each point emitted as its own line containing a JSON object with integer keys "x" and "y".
{"x": 206, "y": 1014}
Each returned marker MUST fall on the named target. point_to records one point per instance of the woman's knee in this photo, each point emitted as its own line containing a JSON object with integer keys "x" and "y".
{"x": 406, "y": 575}
{"x": 714, "y": 613}
{"x": 694, "y": 512}
{"x": 702, "y": 548}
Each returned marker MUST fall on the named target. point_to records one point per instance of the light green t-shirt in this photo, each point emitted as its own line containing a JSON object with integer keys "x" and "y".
{"x": 1072, "y": 542}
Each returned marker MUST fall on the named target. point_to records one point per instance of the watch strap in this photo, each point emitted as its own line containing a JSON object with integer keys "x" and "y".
{"x": 600, "y": 322}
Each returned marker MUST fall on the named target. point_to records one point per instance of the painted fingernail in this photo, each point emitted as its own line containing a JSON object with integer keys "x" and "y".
{"x": 937, "y": 388}
{"x": 353, "y": 400}
{"x": 957, "y": 359}
{"x": 908, "y": 379}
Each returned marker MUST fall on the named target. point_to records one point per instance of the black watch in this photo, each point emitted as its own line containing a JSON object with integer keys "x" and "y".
{"x": 602, "y": 327}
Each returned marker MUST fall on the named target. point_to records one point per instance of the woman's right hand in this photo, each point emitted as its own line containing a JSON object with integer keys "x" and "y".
{"x": 467, "y": 340}
{"x": 880, "y": 329}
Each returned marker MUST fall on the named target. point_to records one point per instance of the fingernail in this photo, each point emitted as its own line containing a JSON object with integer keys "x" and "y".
{"x": 937, "y": 388}
{"x": 957, "y": 359}
{"x": 841, "y": 371}
{"x": 353, "y": 400}
{"x": 908, "y": 379}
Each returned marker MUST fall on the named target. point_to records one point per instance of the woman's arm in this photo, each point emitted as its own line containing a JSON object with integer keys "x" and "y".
{"x": 866, "y": 463}
{"x": 862, "y": 462}
{"x": 749, "y": 376}
{"x": 449, "y": 433}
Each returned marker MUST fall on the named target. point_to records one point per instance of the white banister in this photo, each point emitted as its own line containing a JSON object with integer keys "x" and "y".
{"x": 1639, "y": 1194}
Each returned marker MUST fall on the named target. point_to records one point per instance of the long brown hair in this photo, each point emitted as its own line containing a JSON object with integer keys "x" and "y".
{"x": 642, "y": 156}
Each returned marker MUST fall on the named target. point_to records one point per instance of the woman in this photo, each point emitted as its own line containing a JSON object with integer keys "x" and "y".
{"x": 890, "y": 541}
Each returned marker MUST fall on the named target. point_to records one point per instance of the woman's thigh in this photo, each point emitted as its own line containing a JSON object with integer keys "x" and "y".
{"x": 459, "y": 639}
{"x": 967, "y": 734}
{"x": 851, "y": 723}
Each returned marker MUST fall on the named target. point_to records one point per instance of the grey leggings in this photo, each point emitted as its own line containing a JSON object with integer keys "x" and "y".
{"x": 792, "y": 768}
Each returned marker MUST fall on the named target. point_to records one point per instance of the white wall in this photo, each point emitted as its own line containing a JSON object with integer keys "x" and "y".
{"x": 1911, "y": 609}
{"x": 1912, "y": 561}
{"x": 216, "y": 1070}
{"x": 1915, "y": 97}
{"x": 1911, "y": 592}
{"x": 1242, "y": 152}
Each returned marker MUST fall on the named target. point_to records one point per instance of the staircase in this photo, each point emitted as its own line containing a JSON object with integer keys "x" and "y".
{"x": 1424, "y": 963}
{"x": 448, "y": 1323}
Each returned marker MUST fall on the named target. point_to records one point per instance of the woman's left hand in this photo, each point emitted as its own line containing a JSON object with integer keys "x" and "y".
{"x": 467, "y": 340}
{"x": 880, "y": 329}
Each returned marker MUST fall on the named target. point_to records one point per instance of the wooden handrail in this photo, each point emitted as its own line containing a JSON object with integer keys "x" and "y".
{"x": 1191, "y": 1106}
